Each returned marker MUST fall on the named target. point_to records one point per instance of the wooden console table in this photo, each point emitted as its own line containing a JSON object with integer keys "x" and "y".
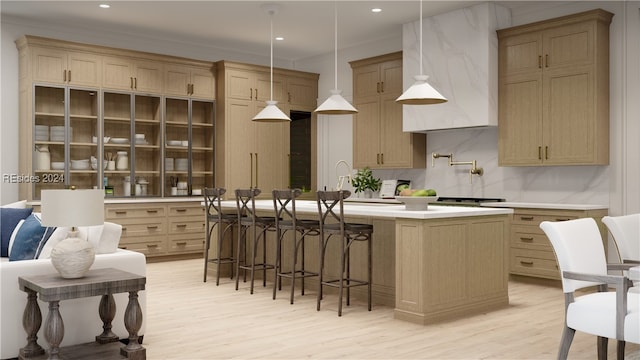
{"x": 100, "y": 282}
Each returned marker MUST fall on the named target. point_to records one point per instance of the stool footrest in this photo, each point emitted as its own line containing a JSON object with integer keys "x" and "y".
{"x": 299, "y": 274}
{"x": 346, "y": 282}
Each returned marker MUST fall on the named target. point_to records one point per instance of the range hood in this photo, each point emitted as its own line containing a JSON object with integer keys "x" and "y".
{"x": 461, "y": 60}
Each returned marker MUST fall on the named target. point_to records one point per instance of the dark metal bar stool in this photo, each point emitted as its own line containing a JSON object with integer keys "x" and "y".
{"x": 224, "y": 223}
{"x": 284, "y": 203}
{"x": 259, "y": 225}
{"x": 330, "y": 209}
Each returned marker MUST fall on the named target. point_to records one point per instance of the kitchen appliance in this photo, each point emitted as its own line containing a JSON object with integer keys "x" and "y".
{"x": 464, "y": 201}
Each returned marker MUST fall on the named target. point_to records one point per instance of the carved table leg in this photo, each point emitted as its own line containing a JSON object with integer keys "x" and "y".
{"x": 54, "y": 330}
{"x": 133, "y": 323}
{"x": 107, "y": 312}
{"x": 31, "y": 321}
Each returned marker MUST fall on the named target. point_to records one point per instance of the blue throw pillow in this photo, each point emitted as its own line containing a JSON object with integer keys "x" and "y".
{"x": 29, "y": 238}
{"x": 9, "y": 218}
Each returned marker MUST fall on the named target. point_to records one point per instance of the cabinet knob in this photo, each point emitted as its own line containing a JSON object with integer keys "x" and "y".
{"x": 526, "y": 239}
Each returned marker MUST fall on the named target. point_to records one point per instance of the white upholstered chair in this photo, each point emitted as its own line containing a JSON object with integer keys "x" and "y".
{"x": 626, "y": 234}
{"x": 582, "y": 261}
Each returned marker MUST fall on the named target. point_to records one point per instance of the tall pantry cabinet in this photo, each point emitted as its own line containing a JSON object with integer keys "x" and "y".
{"x": 554, "y": 91}
{"x": 256, "y": 154}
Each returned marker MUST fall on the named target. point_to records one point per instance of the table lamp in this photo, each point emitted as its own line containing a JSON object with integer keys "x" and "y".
{"x": 72, "y": 257}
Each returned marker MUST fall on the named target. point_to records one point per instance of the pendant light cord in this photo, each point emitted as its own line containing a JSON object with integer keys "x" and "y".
{"x": 335, "y": 41}
{"x": 271, "y": 56}
{"x": 421, "y": 72}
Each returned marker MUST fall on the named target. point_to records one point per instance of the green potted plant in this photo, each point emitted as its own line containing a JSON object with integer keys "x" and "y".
{"x": 364, "y": 181}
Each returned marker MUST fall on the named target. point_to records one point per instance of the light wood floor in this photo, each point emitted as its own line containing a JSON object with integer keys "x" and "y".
{"x": 189, "y": 319}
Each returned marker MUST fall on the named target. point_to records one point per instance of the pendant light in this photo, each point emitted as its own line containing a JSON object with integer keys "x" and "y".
{"x": 271, "y": 113}
{"x": 336, "y": 104}
{"x": 421, "y": 93}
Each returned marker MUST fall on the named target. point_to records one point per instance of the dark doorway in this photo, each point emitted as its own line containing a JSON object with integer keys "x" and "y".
{"x": 300, "y": 150}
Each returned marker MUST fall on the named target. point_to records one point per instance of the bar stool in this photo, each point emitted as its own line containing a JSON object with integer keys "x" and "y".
{"x": 284, "y": 203}
{"x": 224, "y": 223}
{"x": 259, "y": 225}
{"x": 330, "y": 209}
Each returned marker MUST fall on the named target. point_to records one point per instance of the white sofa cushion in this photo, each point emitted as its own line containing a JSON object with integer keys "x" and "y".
{"x": 104, "y": 238}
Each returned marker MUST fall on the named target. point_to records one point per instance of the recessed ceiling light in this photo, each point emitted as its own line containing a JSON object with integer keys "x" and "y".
{"x": 105, "y": 6}
{"x": 376, "y": 10}
{"x": 279, "y": 38}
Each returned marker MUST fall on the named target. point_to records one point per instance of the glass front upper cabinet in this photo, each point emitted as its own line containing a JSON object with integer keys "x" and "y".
{"x": 65, "y": 123}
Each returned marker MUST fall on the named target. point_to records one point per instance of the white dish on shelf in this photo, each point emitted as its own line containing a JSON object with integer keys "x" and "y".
{"x": 57, "y": 165}
{"x": 119, "y": 140}
{"x": 174, "y": 143}
{"x": 416, "y": 203}
{"x": 80, "y": 164}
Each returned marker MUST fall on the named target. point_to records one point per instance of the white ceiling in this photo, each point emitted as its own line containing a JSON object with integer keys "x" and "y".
{"x": 306, "y": 25}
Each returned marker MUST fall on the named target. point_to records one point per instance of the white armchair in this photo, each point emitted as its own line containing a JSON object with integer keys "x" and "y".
{"x": 626, "y": 234}
{"x": 605, "y": 314}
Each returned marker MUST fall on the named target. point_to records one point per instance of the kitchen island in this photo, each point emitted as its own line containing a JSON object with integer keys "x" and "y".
{"x": 432, "y": 265}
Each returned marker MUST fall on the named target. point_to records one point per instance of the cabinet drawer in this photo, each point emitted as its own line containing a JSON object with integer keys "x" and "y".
{"x": 183, "y": 244}
{"x": 150, "y": 245}
{"x": 529, "y": 237}
{"x": 186, "y": 210}
{"x": 186, "y": 226}
{"x": 536, "y": 219}
{"x": 534, "y": 263}
{"x": 129, "y": 213}
{"x": 131, "y": 229}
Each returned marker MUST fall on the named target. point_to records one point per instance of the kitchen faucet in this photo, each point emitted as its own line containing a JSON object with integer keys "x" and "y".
{"x": 341, "y": 178}
{"x": 474, "y": 169}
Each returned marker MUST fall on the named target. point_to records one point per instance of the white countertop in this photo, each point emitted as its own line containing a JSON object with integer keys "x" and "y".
{"x": 140, "y": 200}
{"x": 385, "y": 210}
{"x": 544, "y": 206}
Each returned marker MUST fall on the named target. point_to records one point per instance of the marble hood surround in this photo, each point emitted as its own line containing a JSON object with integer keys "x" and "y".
{"x": 460, "y": 56}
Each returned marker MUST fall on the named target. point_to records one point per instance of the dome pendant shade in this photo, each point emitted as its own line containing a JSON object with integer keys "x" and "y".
{"x": 271, "y": 113}
{"x": 421, "y": 93}
{"x": 336, "y": 105}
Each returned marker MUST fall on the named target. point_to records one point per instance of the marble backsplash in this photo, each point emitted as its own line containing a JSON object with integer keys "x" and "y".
{"x": 549, "y": 184}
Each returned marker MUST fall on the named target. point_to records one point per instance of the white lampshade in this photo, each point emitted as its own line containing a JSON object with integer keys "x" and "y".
{"x": 336, "y": 105}
{"x": 72, "y": 208}
{"x": 421, "y": 93}
{"x": 271, "y": 113}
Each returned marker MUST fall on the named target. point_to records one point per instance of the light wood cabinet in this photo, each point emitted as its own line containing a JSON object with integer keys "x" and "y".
{"x": 554, "y": 91}
{"x": 378, "y": 139}
{"x": 132, "y": 74}
{"x": 253, "y": 154}
{"x": 531, "y": 252}
{"x": 65, "y": 67}
{"x": 160, "y": 229}
{"x": 302, "y": 93}
{"x": 125, "y": 98}
{"x": 191, "y": 81}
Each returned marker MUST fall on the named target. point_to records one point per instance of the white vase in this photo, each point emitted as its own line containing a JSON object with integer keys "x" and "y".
{"x": 72, "y": 257}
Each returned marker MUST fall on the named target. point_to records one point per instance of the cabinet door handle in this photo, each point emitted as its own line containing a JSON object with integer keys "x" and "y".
{"x": 256, "y": 169}
{"x": 181, "y": 225}
{"x": 152, "y": 246}
{"x": 250, "y": 93}
{"x": 539, "y": 152}
{"x": 64, "y": 75}
{"x": 546, "y": 153}
{"x": 382, "y": 159}
{"x": 539, "y": 61}
{"x": 131, "y": 81}
{"x": 124, "y": 229}
{"x": 181, "y": 210}
{"x": 378, "y": 159}
{"x": 546, "y": 60}
{"x": 251, "y": 171}
{"x": 527, "y": 263}
{"x": 121, "y": 212}
{"x": 378, "y": 87}
{"x": 181, "y": 243}
{"x": 563, "y": 219}
{"x": 152, "y": 211}
{"x": 526, "y": 218}
{"x": 135, "y": 83}
{"x": 526, "y": 239}
{"x": 152, "y": 227}
{"x": 382, "y": 86}
{"x": 69, "y": 75}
